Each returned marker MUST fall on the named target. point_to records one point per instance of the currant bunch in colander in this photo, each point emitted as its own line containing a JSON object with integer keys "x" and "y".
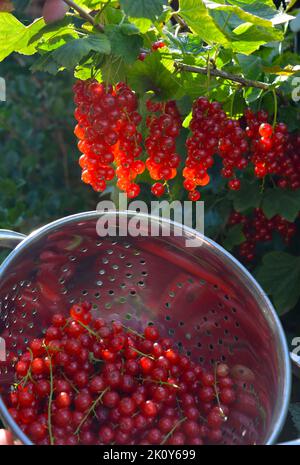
{"x": 107, "y": 128}
{"x": 91, "y": 381}
{"x": 164, "y": 124}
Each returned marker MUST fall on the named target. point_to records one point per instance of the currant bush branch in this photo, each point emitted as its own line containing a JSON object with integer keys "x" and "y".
{"x": 222, "y": 74}
{"x": 84, "y": 14}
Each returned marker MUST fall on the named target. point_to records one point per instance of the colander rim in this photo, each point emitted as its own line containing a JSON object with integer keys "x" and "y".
{"x": 216, "y": 249}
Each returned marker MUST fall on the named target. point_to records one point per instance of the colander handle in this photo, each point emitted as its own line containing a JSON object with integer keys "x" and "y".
{"x": 9, "y": 239}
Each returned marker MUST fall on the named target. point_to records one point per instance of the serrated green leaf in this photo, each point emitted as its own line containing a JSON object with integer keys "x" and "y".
{"x": 251, "y": 65}
{"x": 200, "y": 22}
{"x": 279, "y": 276}
{"x": 48, "y": 32}
{"x": 248, "y": 196}
{"x": 91, "y": 4}
{"x": 70, "y": 54}
{"x": 123, "y": 45}
{"x": 241, "y": 28}
{"x": 45, "y": 63}
{"x": 151, "y": 74}
{"x": 129, "y": 29}
{"x": 257, "y": 13}
{"x": 15, "y": 37}
{"x": 255, "y": 36}
{"x": 283, "y": 202}
{"x": 143, "y": 24}
{"x": 234, "y": 237}
{"x": 143, "y": 8}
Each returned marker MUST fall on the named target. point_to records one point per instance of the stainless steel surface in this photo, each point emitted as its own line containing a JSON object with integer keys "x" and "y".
{"x": 10, "y": 239}
{"x": 202, "y": 297}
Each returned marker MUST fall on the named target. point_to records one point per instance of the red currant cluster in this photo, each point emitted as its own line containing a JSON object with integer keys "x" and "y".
{"x": 273, "y": 150}
{"x": 291, "y": 164}
{"x": 164, "y": 125}
{"x": 206, "y": 123}
{"x": 267, "y": 144}
{"x": 233, "y": 148}
{"x": 155, "y": 46}
{"x": 107, "y": 118}
{"x": 128, "y": 149}
{"x": 88, "y": 381}
{"x": 257, "y": 228}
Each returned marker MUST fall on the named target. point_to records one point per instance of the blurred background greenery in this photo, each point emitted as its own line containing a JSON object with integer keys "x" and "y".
{"x": 39, "y": 173}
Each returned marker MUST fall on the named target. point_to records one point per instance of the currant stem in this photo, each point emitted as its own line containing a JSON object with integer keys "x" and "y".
{"x": 275, "y": 107}
{"x": 70, "y": 382}
{"x": 94, "y": 404}
{"x": 133, "y": 331}
{"x": 89, "y": 329}
{"x": 172, "y": 430}
{"x": 217, "y": 393}
{"x": 165, "y": 383}
{"x": 141, "y": 353}
{"x": 50, "y": 399}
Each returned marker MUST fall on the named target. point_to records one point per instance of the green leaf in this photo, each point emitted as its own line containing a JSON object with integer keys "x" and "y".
{"x": 123, "y": 45}
{"x": 53, "y": 31}
{"x": 234, "y": 236}
{"x": 251, "y": 65}
{"x": 257, "y": 13}
{"x": 143, "y": 24}
{"x": 15, "y": 37}
{"x": 129, "y": 29}
{"x": 45, "y": 63}
{"x": 279, "y": 275}
{"x": 248, "y": 196}
{"x": 91, "y": 4}
{"x": 143, "y": 8}
{"x": 283, "y": 202}
{"x": 70, "y": 54}
{"x": 187, "y": 120}
{"x": 200, "y": 22}
{"x": 242, "y": 28}
{"x": 152, "y": 75}
{"x": 295, "y": 413}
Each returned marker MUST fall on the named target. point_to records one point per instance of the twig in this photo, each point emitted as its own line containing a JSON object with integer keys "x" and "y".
{"x": 172, "y": 430}
{"x": 181, "y": 22}
{"x": 93, "y": 406}
{"x": 222, "y": 74}
{"x": 84, "y": 14}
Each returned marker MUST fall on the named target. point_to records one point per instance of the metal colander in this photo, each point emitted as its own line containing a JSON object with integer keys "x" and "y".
{"x": 201, "y": 297}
